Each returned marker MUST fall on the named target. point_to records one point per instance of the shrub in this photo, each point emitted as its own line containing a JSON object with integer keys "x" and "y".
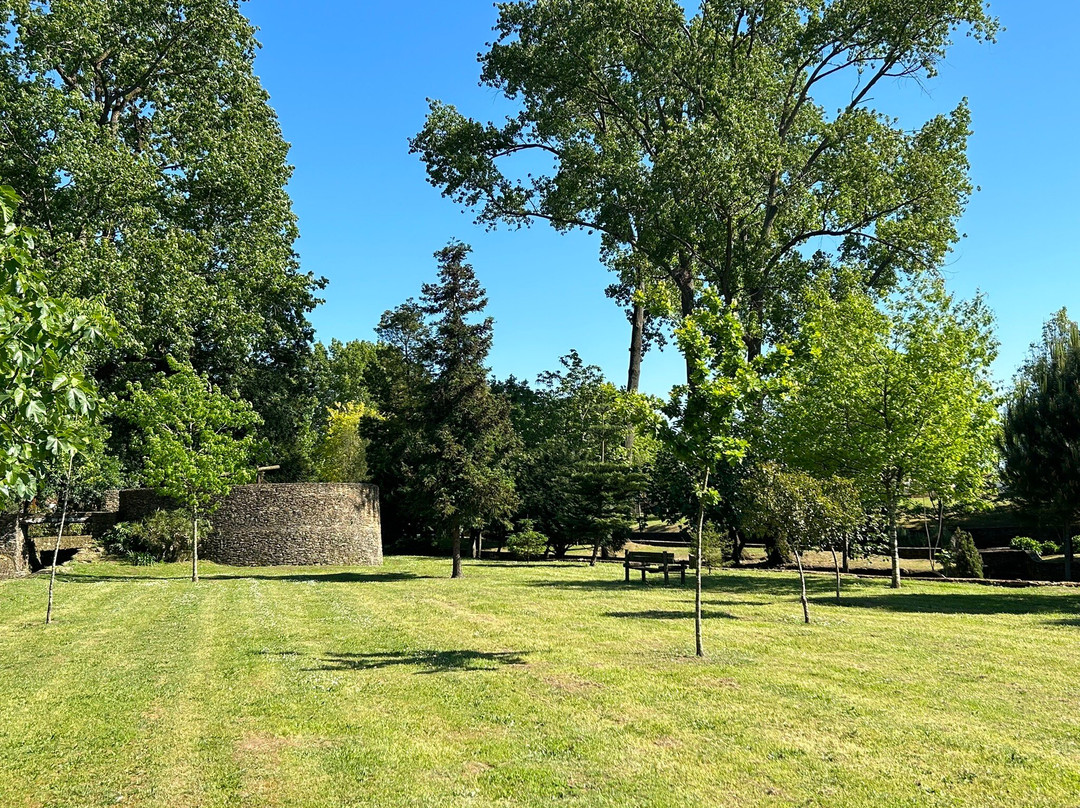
{"x": 716, "y": 545}
{"x": 527, "y": 542}
{"x": 162, "y": 536}
{"x": 963, "y": 559}
{"x": 1028, "y": 544}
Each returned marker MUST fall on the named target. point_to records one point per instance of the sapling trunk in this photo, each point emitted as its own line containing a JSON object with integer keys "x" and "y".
{"x": 194, "y": 545}
{"x": 894, "y": 546}
{"x": 836, "y": 566}
{"x": 802, "y": 583}
{"x": 59, "y": 537}
{"x": 699, "y": 649}
{"x": 595, "y": 553}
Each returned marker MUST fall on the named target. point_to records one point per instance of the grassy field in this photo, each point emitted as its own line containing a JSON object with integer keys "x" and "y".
{"x": 543, "y": 684}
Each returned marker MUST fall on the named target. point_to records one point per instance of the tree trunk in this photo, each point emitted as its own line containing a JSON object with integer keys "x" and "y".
{"x": 684, "y": 279}
{"x": 194, "y": 545}
{"x": 633, "y": 373}
{"x": 802, "y": 583}
{"x": 698, "y": 647}
{"x": 59, "y": 537}
{"x": 1068, "y": 548}
{"x": 894, "y": 546}
{"x": 836, "y": 566}
{"x": 595, "y": 553}
{"x": 845, "y": 563}
{"x": 456, "y": 572}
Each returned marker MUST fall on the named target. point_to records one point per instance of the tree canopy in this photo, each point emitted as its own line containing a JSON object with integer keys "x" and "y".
{"x": 154, "y": 168}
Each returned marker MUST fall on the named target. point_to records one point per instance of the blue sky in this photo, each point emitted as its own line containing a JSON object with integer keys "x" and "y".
{"x": 349, "y": 81}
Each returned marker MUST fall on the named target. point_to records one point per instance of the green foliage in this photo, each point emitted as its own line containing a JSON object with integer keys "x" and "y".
{"x": 704, "y": 139}
{"x": 799, "y": 511}
{"x": 341, "y": 455}
{"x": 1040, "y": 465}
{"x": 716, "y": 544}
{"x": 894, "y": 395}
{"x": 962, "y": 559}
{"x": 197, "y": 441}
{"x": 526, "y": 541}
{"x": 155, "y": 170}
{"x": 47, "y": 406}
{"x": 1035, "y": 546}
{"x": 162, "y": 536}
{"x": 708, "y": 416}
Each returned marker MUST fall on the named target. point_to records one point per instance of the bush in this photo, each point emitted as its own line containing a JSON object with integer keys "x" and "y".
{"x": 162, "y": 536}
{"x": 527, "y": 543}
{"x": 1028, "y": 544}
{"x": 716, "y": 545}
{"x": 963, "y": 559}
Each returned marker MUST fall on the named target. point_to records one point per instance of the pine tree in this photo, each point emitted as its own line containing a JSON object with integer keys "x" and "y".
{"x": 468, "y": 438}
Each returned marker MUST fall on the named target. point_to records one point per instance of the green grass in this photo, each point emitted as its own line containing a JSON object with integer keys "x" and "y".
{"x": 543, "y": 684}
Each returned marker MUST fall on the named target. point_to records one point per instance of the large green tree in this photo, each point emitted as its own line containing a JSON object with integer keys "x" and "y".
{"x": 1040, "y": 441}
{"x": 155, "y": 170}
{"x": 894, "y": 395}
{"x": 718, "y": 142}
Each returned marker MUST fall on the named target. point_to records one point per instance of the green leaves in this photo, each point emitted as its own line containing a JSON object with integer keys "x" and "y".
{"x": 196, "y": 440}
{"x": 47, "y": 406}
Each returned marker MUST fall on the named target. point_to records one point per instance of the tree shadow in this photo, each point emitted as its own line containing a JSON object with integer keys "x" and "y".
{"x": 674, "y": 614}
{"x": 994, "y": 601}
{"x": 729, "y": 583}
{"x": 428, "y": 661}
{"x": 324, "y": 577}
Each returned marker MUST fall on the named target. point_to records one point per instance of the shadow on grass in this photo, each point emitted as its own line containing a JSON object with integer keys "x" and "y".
{"x": 428, "y": 661}
{"x": 320, "y": 577}
{"x": 729, "y": 583}
{"x": 673, "y": 614}
{"x": 993, "y": 601}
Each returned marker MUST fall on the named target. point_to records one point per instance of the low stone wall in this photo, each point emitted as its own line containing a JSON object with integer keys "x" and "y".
{"x": 13, "y": 560}
{"x": 295, "y": 524}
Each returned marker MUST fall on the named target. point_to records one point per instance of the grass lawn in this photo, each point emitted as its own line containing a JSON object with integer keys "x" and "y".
{"x": 542, "y": 684}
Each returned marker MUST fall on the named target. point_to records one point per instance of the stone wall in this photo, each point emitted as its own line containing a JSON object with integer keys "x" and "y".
{"x": 13, "y": 559}
{"x": 296, "y": 524}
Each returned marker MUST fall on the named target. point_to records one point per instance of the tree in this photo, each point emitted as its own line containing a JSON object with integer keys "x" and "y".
{"x": 197, "y": 442}
{"x": 47, "y": 405}
{"x": 893, "y": 394}
{"x": 341, "y": 455}
{"x": 699, "y": 140}
{"x": 802, "y": 513}
{"x": 1041, "y": 432}
{"x": 155, "y": 170}
{"x": 604, "y": 497}
{"x": 468, "y": 438}
{"x": 704, "y": 415}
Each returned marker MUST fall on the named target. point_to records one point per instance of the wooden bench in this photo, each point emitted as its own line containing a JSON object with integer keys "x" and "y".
{"x": 647, "y": 561}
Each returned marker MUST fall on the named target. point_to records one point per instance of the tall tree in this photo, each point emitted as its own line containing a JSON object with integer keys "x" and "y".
{"x": 894, "y": 395}
{"x": 196, "y": 441}
{"x": 154, "y": 167}
{"x": 701, "y": 140}
{"x": 469, "y": 438}
{"x": 1040, "y": 441}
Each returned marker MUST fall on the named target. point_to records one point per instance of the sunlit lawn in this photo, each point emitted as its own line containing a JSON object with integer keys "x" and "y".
{"x": 544, "y": 684}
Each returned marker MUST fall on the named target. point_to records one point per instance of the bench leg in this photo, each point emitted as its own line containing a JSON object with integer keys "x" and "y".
{"x": 643, "y": 575}
{"x": 666, "y": 581}
{"x": 627, "y": 567}
{"x": 682, "y": 571}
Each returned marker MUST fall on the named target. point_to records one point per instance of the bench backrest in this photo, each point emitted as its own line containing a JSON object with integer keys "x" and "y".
{"x": 645, "y": 555}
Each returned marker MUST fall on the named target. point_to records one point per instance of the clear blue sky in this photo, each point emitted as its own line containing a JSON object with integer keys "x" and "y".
{"x": 349, "y": 82}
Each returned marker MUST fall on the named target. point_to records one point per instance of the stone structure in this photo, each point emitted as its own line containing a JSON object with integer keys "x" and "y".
{"x": 296, "y": 524}
{"x": 13, "y": 555}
